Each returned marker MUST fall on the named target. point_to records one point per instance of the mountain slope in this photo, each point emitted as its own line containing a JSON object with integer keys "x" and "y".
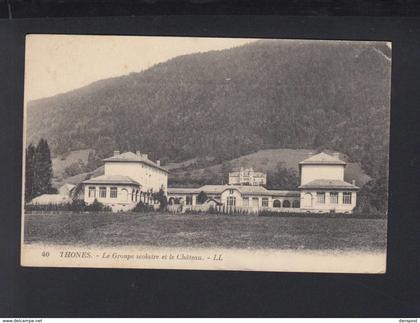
{"x": 224, "y": 104}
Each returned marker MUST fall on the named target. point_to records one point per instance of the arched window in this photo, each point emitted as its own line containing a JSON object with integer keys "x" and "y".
{"x": 296, "y": 204}
{"x": 276, "y": 203}
{"x": 286, "y": 203}
{"x": 124, "y": 195}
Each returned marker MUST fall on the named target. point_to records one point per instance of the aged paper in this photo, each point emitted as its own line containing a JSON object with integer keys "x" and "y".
{"x": 206, "y": 153}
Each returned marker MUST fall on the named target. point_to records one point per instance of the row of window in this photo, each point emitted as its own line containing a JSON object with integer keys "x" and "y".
{"x": 113, "y": 193}
{"x": 254, "y": 202}
{"x": 102, "y": 192}
{"x": 320, "y": 197}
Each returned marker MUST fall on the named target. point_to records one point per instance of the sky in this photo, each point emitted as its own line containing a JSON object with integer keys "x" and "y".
{"x": 59, "y": 63}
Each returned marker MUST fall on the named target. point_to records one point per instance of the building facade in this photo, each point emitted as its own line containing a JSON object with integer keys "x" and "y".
{"x": 239, "y": 197}
{"x": 121, "y": 193}
{"x": 151, "y": 176}
{"x": 128, "y": 179}
{"x": 322, "y": 186}
{"x": 322, "y": 189}
{"x": 247, "y": 176}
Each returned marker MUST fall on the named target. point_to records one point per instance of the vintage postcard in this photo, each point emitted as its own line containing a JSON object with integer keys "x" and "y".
{"x": 206, "y": 153}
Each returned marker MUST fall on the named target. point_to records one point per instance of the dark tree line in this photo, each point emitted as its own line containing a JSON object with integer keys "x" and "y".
{"x": 38, "y": 170}
{"x": 282, "y": 178}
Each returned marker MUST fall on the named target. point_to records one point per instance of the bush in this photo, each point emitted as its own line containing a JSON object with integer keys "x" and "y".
{"x": 143, "y": 208}
{"x": 78, "y": 206}
{"x": 97, "y": 206}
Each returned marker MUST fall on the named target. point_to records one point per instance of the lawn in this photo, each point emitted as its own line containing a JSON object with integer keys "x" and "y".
{"x": 207, "y": 231}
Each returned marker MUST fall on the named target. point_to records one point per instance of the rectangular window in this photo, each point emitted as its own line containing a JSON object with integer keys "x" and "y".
{"x": 113, "y": 193}
{"x": 188, "y": 200}
{"x": 230, "y": 191}
{"x": 246, "y": 201}
{"x": 92, "y": 191}
{"x": 255, "y": 202}
{"x": 320, "y": 196}
{"x": 231, "y": 201}
{"x": 265, "y": 202}
{"x": 102, "y": 192}
{"x": 346, "y": 198}
{"x": 333, "y": 198}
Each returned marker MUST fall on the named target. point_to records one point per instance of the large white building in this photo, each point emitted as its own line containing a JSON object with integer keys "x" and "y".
{"x": 322, "y": 189}
{"x": 128, "y": 178}
{"x": 322, "y": 186}
{"x": 131, "y": 177}
{"x": 247, "y": 176}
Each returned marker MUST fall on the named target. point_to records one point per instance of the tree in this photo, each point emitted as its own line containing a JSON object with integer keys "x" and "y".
{"x": 372, "y": 199}
{"x": 43, "y": 168}
{"x": 38, "y": 170}
{"x": 226, "y": 168}
{"x": 202, "y": 197}
{"x": 282, "y": 178}
{"x": 161, "y": 197}
{"x": 29, "y": 172}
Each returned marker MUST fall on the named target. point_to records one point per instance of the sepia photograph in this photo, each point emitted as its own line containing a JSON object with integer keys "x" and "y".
{"x": 206, "y": 153}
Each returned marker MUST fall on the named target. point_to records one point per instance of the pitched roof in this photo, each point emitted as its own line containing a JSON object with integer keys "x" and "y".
{"x": 329, "y": 184}
{"x": 284, "y": 193}
{"x": 132, "y": 157}
{"x": 50, "y": 199}
{"x": 212, "y": 189}
{"x": 252, "y": 190}
{"x": 322, "y": 158}
{"x": 213, "y": 200}
{"x": 183, "y": 190}
{"x": 111, "y": 179}
{"x": 243, "y": 189}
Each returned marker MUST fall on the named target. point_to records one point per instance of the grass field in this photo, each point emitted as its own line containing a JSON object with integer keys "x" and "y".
{"x": 207, "y": 231}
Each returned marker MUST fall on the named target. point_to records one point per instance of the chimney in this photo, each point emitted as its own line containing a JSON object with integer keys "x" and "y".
{"x": 158, "y": 162}
{"x": 145, "y": 156}
{"x": 336, "y": 155}
{"x": 353, "y": 182}
{"x": 116, "y": 152}
{"x": 138, "y": 153}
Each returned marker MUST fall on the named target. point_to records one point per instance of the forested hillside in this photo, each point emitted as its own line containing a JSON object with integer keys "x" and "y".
{"x": 225, "y": 104}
